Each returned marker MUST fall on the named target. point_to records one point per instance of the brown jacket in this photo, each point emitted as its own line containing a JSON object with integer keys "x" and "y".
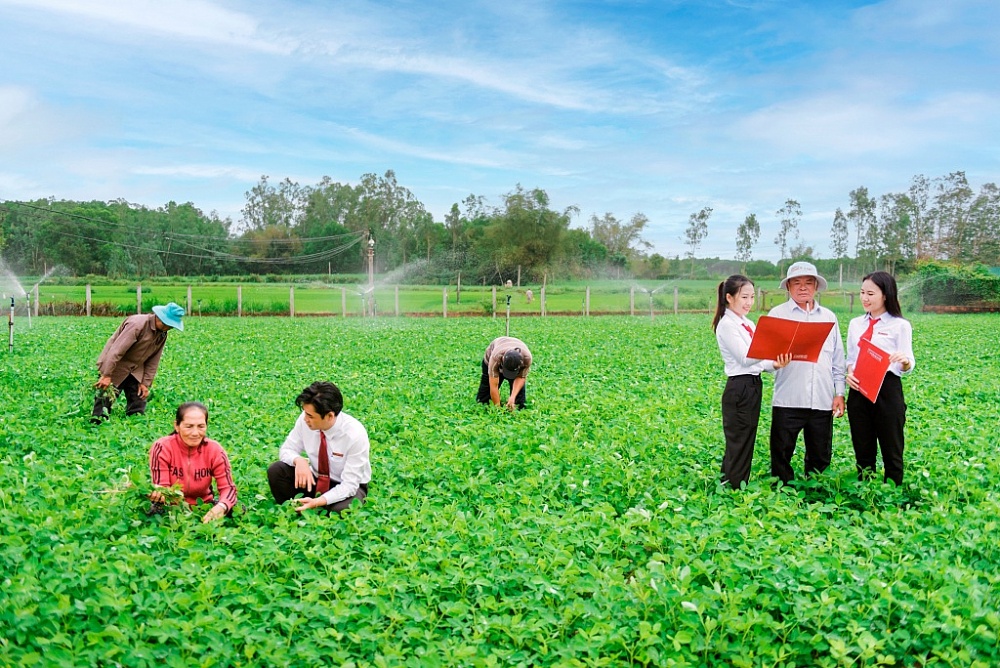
{"x": 134, "y": 349}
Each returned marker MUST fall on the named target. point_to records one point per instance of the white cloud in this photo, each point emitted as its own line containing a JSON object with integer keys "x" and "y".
{"x": 196, "y": 20}
{"x": 195, "y": 171}
{"x": 15, "y": 103}
{"x": 18, "y": 183}
{"x": 29, "y": 126}
{"x": 853, "y": 124}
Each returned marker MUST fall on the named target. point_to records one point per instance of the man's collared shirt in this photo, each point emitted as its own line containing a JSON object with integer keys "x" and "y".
{"x": 347, "y": 447}
{"x": 808, "y": 384}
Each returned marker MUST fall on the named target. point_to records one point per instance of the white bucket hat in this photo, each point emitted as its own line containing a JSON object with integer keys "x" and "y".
{"x": 803, "y": 269}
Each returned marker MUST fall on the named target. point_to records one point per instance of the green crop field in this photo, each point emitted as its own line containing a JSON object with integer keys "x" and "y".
{"x": 587, "y": 530}
{"x": 211, "y": 298}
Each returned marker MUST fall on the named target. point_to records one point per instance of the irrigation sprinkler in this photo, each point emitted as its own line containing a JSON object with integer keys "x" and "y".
{"x": 367, "y": 300}
{"x": 508, "y": 314}
{"x": 10, "y": 327}
{"x": 651, "y": 293}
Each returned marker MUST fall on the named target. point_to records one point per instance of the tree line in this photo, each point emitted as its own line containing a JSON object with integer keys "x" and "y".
{"x": 940, "y": 219}
{"x": 289, "y": 228}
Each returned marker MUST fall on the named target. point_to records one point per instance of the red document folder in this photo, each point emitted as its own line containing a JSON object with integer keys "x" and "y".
{"x": 777, "y": 336}
{"x": 870, "y": 369}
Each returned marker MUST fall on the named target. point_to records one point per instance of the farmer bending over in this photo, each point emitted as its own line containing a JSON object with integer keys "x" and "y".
{"x": 506, "y": 358}
{"x": 131, "y": 357}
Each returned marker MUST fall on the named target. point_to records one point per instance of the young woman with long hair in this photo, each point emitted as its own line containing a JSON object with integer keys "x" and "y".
{"x": 741, "y": 398}
{"x": 880, "y": 423}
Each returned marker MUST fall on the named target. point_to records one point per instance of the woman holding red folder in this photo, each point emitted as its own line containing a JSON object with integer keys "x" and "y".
{"x": 879, "y": 423}
{"x": 742, "y": 397}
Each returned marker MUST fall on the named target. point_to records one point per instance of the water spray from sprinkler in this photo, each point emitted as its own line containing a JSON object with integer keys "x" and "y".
{"x": 367, "y": 299}
{"x": 651, "y": 293}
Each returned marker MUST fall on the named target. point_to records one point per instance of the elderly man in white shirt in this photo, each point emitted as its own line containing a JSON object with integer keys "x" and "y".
{"x": 807, "y": 395}
{"x": 326, "y": 455}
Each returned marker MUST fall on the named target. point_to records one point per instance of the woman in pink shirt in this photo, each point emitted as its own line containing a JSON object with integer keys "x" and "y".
{"x": 187, "y": 458}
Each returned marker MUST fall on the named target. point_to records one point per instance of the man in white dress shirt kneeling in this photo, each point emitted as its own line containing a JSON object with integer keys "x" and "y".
{"x": 325, "y": 457}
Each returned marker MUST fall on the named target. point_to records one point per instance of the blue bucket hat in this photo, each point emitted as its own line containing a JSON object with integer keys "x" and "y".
{"x": 170, "y": 315}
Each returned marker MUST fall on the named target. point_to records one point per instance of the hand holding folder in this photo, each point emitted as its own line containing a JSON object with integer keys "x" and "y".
{"x": 870, "y": 369}
{"x": 778, "y": 336}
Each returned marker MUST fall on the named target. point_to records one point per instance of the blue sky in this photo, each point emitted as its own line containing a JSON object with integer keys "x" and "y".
{"x": 619, "y": 106}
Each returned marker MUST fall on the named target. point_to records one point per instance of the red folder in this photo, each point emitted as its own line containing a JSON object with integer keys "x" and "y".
{"x": 870, "y": 369}
{"x": 777, "y": 336}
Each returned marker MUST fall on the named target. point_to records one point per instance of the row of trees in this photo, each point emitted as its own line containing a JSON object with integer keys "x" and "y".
{"x": 290, "y": 228}
{"x": 935, "y": 219}
{"x": 942, "y": 219}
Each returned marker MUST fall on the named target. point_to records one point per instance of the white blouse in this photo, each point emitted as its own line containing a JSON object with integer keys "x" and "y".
{"x": 734, "y": 343}
{"x": 891, "y": 334}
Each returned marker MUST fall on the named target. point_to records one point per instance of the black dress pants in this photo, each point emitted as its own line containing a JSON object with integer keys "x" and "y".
{"x": 483, "y": 396}
{"x": 817, "y": 431}
{"x": 879, "y": 424}
{"x": 740, "y": 417}
{"x": 134, "y": 404}
{"x": 281, "y": 479}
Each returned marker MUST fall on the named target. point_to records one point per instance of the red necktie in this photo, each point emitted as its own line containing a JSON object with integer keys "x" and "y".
{"x": 747, "y": 327}
{"x": 323, "y": 482}
{"x": 867, "y": 336}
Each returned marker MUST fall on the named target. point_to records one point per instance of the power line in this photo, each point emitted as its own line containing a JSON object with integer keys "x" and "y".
{"x": 169, "y": 234}
{"x": 347, "y": 240}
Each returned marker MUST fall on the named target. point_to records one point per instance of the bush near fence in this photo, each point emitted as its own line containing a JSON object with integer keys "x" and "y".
{"x": 959, "y": 287}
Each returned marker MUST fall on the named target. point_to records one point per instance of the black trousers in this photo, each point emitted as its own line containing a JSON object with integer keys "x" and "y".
{"x": 879, "y": 424}
{"x": 817, "y": 431}
{"x": 740, "y": 417}
{"x": 281, "y": 478}
{"x": 135, "y": 405}
{"x": 483, "y": 396}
